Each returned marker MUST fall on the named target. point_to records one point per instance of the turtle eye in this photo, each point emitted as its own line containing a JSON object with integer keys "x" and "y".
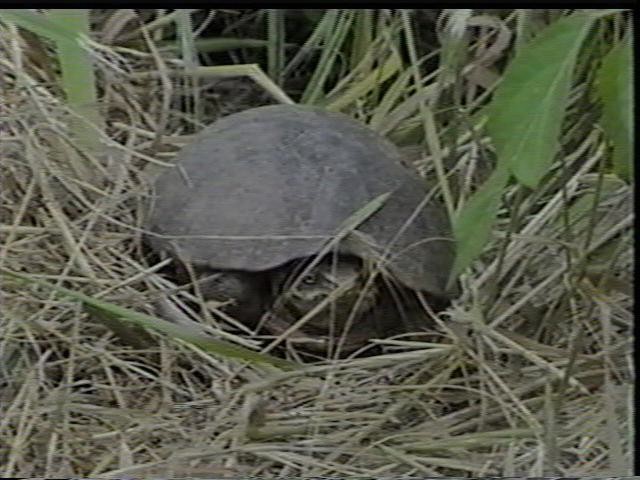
{"x": 309, "y": 279}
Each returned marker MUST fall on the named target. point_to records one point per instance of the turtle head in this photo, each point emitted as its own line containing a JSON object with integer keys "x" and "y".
{"x": 324, "y": 279}
{"x": 342, "y": 280}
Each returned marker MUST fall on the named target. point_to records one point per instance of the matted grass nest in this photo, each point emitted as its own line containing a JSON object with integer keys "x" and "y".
{"x": 529, "y": 371}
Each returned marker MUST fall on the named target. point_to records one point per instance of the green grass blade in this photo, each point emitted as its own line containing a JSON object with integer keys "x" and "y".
{"x": 528, "y": 108}
{"x": 252, "y": 71}
{"x": 275, "y": 44}
{"x": 391, "y": 98}
{"x": 186, "y": 39}
{"x": 360, "y": 88}
{"x": 345, "y": 234}
{"x": 313, "y": 42}
{"x": 362, "y": 36}
{"x": 189, "y": 54}
{"x": 427, "y": 114}
{"x": 615, "y": 80}
{"x": 214, "y": 44}
{"x": 205, "y": 342}
{"x": 334, "y": 38}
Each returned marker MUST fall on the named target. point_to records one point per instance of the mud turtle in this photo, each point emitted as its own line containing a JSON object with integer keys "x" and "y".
{"x": 260, "y": 191}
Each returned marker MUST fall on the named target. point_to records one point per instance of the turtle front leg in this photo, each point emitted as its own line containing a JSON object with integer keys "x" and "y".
{"x": 246, "y": 293}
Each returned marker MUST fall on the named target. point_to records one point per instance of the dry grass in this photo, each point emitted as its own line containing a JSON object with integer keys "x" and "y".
{"x": 530, "y": 374}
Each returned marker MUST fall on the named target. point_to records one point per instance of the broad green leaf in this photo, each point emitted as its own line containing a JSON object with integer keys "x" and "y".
{"x": 472, "y": 227}
{"x": 528, "y": 107}
{"x": 75, "y": 62}
{"x": 615, "y": 80}
{"x": 78, "y": 76}
{"x": 39, "y": 24}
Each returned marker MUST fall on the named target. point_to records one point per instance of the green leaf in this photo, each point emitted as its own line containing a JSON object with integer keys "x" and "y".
{"x": 39, "y": 24}
{"x": 78, "y": 76}
{"x": 528, "y": 107}
{"x": 472, "y": 227}
{"x": 615, "y": 81}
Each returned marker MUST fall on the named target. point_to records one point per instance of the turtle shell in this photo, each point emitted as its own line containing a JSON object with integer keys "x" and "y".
{"x": 259, "y": 188}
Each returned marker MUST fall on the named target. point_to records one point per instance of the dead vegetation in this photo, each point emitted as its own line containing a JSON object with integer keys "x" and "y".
{"x": 529, "y": 373}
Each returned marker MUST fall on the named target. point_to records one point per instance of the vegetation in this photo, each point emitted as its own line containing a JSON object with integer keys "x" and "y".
{"x": 519, "y": 119}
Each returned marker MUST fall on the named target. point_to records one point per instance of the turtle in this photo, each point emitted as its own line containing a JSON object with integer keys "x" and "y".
{"x": 257, "y": 204}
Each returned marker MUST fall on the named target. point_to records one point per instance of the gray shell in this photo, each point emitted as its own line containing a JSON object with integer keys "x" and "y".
{"x": 265, "y": 186}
